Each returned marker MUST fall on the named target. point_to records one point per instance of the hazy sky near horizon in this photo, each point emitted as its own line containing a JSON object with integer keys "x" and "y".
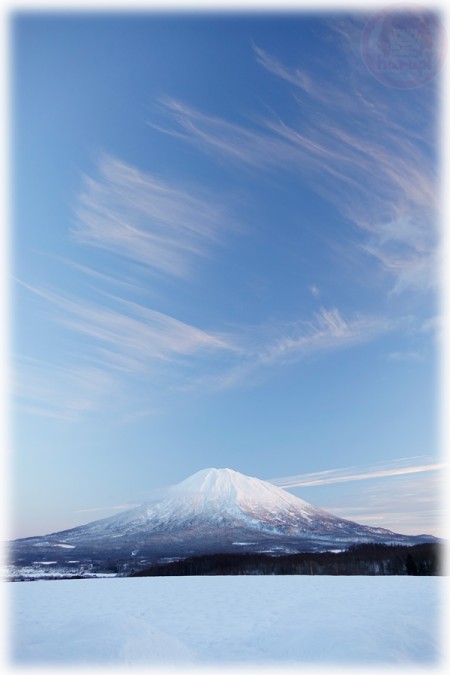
{"x": 225, "y": 253}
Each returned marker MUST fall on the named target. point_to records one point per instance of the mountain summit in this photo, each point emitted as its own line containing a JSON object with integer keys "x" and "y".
{"x": 212, "y": 511}
{"x": 219, "y": 494}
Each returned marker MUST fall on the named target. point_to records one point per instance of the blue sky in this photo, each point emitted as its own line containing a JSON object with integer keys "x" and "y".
{"x": 225, "y": 253}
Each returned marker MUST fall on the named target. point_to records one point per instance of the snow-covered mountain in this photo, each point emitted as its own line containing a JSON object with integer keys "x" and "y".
{"x": 214, "y": 510}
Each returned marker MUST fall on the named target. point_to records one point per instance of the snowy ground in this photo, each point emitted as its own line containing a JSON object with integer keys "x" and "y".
{"x": 194, "y": 621}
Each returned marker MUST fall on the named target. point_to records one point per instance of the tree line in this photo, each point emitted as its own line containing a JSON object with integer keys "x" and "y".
{"x": 365, "y": 559}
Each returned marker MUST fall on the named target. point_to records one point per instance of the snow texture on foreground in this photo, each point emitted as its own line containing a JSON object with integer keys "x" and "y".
{"x": 230, "y": 621}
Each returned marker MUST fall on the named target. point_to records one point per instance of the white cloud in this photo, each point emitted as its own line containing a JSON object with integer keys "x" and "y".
{"x": 368, "y": 155}
{"x": 405, "y": 356}
{"x": 153, "y": 222}
{"x": 130, "y": 336}
{"x": 350, "y": 474}
{"x": 127, "y": 355}
{"x": 276, "y": 345}
{"x": 379, "y": 147}
{"x": 404, "y": 495}
{"x": 126, "y": 342}
{"x": 433, "y": 324}
{"x": 410, "y": 504}
{"x": 67, "y": 392}
{"x": 327, "y": 331}
{"x": 294, "y": 76}
{"x": 251, "y": 147}
{"x": 118, "y": 507}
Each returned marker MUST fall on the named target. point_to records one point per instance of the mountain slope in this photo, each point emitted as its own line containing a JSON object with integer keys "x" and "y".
{"x": 214, "y": 510}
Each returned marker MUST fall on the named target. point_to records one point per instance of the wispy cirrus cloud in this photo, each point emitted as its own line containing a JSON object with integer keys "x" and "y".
{"x": 276, "y": 345}
{"x": 374, "y": 134}
{"x": 118, "y": 344}
{"x": 124, "y": 282}
{"x": 294, "y": 76}
{"x": 403, "y": 495}
{"x": 61, "y": 392}
{"x": 139, "y": 216}
{"x": 383, "y": 149}
{"x": 349, "y": 474}
{"x": 407, "y": 503}
{"x": 369, "y": 155}
{"x": 405, "y": 356}
{"x": 128, "y": 336}
{"x": 118, "y": 356}
{"x": 327, "y": 330}
{"x": 102, "y": 509}
{"x": 249, "y": 146}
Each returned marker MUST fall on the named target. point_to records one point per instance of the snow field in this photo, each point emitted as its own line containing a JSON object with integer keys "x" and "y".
{"x": 251, "y": 620}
